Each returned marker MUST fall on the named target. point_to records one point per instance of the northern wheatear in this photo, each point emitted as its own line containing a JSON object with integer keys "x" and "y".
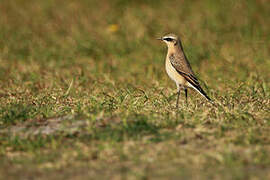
{"x": 178, "y": 67}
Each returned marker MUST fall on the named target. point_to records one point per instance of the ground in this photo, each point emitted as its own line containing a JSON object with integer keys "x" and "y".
{"x": 84, "y": 93}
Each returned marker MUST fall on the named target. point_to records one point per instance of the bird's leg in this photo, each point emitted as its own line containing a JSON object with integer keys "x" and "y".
{"x": 186, "y": 96}
{"x": 178, "y": 94}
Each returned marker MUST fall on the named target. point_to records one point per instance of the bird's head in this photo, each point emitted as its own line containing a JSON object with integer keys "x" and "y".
{"x": 170, "y": 39}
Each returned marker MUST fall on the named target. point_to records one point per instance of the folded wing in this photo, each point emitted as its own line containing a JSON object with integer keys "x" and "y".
{"x": 182, "y": 66}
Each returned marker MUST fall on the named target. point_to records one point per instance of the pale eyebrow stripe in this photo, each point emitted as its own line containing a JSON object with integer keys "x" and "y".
{"x": 169, "y": 37}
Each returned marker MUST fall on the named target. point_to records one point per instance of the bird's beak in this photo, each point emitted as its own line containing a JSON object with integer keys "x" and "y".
{"x": 159, "y": 39}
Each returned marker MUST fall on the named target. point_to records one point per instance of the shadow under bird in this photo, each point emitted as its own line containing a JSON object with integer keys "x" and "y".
{"x": 179, "y": 69}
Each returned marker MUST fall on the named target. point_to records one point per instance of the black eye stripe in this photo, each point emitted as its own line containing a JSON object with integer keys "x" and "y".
{"x": 168, "y": 39}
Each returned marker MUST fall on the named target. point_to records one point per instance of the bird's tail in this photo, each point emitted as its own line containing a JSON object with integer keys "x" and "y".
{"x": 201, "y": 91}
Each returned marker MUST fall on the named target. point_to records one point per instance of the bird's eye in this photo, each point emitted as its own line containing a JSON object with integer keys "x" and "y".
{"x": 168, "y": 39}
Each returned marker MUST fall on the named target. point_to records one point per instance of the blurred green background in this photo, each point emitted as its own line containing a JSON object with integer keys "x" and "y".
{"x": 84, "y": 93}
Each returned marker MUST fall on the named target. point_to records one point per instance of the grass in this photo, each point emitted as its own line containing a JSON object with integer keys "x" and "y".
{"x": 84, "y": 93}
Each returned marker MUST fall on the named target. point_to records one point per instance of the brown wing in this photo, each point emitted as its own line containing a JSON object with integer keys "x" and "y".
{"x": 182, "y": 66}
{"x": 180, "y": 62}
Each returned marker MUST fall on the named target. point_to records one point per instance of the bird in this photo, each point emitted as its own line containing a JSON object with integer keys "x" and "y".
{"x": 178, "y": 68}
